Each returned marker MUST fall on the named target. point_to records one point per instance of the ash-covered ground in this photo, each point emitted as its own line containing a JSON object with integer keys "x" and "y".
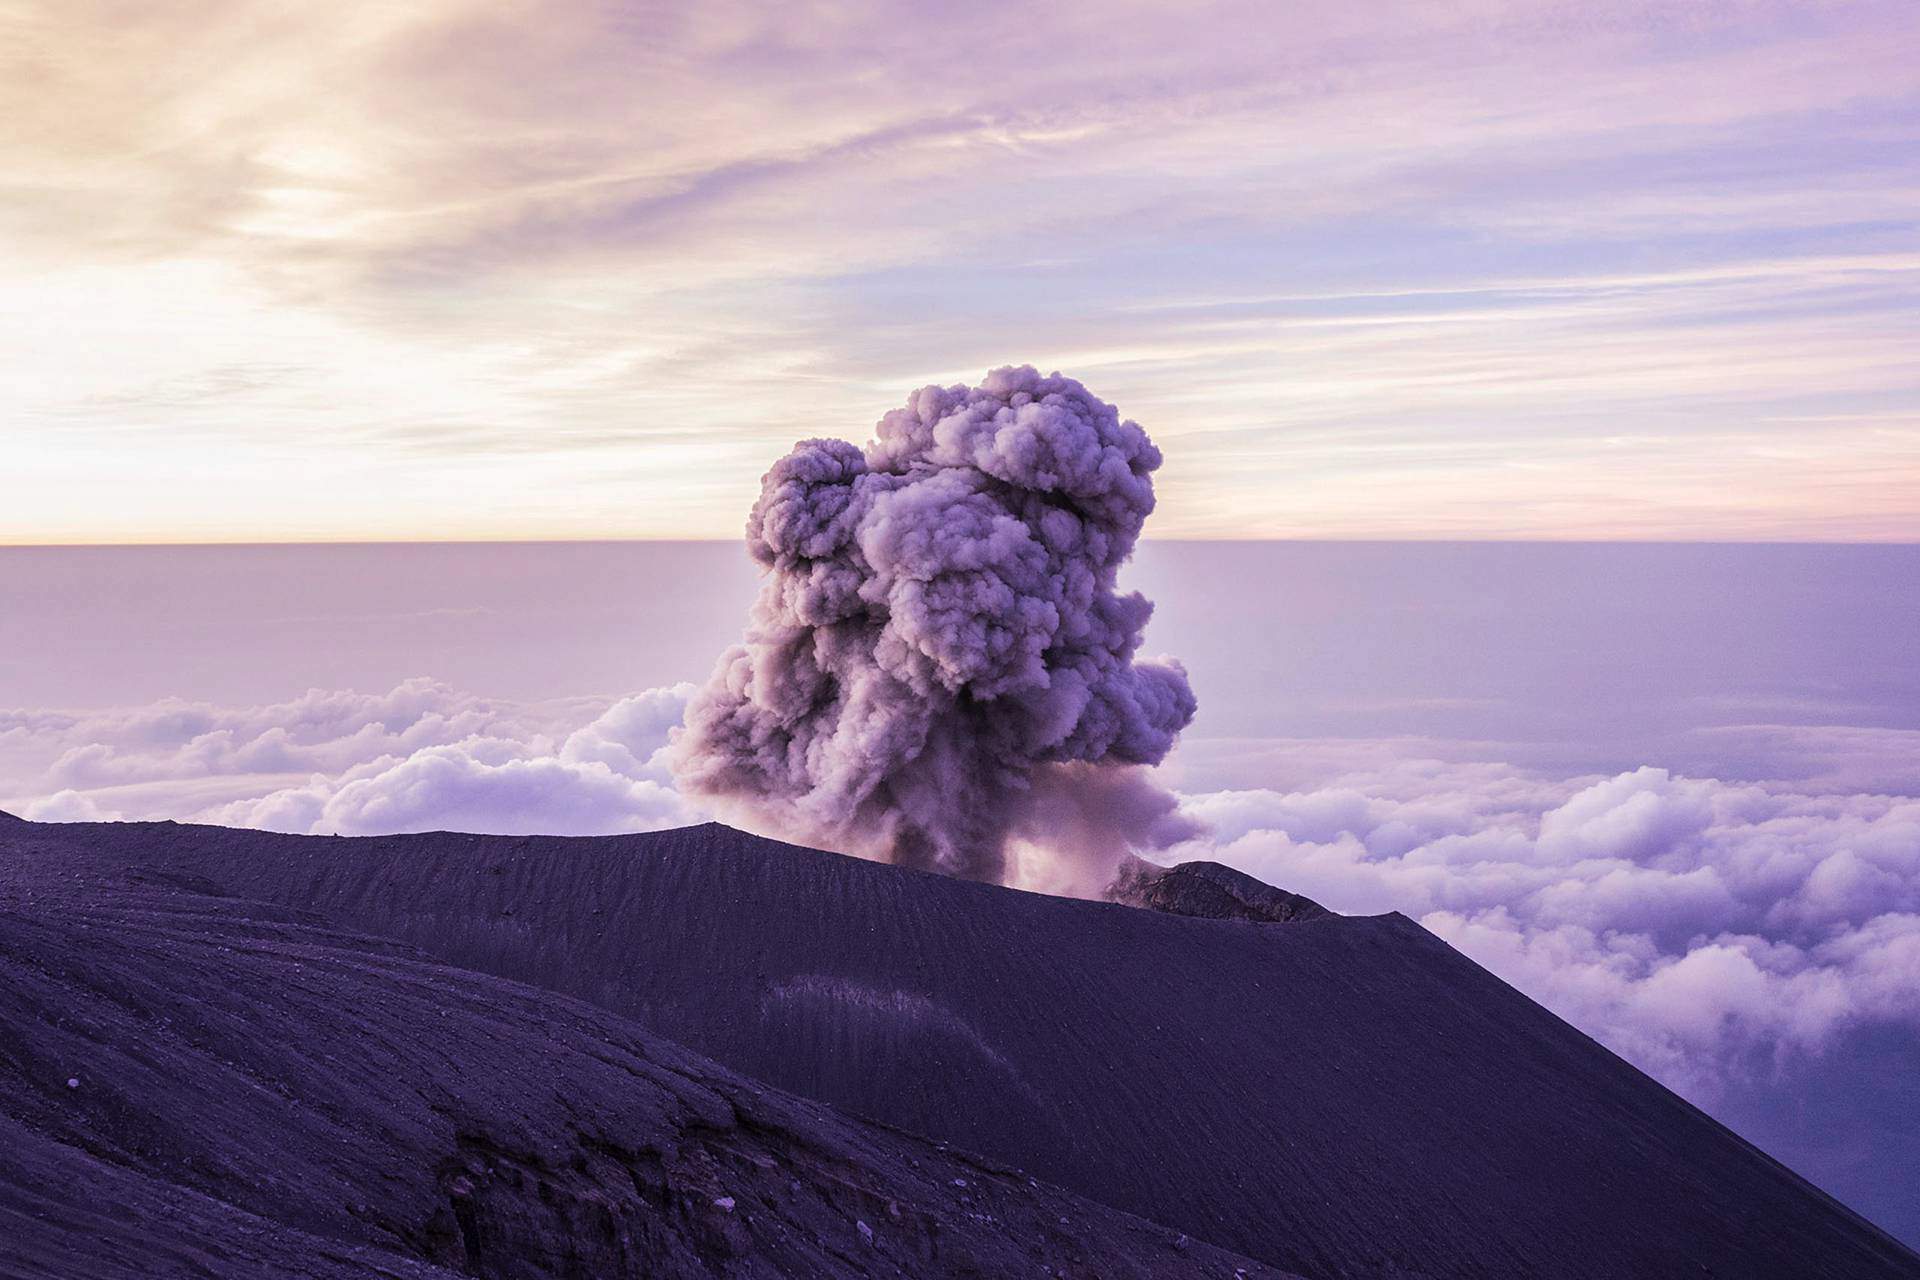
{"x": 702, "y": 1053}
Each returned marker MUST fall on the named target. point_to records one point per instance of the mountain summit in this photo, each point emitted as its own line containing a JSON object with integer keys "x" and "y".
{"x": 1211, "y": 890}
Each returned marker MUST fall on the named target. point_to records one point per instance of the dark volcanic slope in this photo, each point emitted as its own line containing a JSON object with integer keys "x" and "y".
{"x": 1346, "y": 1097}
{"x": 206, "y": 1086}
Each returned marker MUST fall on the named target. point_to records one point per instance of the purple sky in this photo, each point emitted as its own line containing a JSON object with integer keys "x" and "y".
{"x": 451, "y": 269}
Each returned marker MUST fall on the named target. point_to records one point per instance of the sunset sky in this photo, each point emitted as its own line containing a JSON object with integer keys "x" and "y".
{"x": 1424, "y": 280}
{"x": 449, "y": 269}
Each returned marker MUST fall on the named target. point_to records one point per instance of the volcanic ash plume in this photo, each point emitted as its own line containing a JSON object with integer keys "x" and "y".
{"x": 938, "y": 671}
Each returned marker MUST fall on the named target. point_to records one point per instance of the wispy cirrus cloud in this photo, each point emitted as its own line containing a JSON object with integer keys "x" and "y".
{"x": 1471, "y": 270}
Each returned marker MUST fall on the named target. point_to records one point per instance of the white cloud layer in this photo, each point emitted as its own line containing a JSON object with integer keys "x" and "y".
{"x": 420, "y": 757}
{"x": 1710, "y": 931}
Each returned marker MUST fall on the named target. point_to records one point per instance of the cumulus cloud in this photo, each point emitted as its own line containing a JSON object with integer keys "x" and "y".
{"x": 418, "y": 757}
{"x": 321, "y": 730}
{"x": 1699, "y": 927}
{"x": 939, "y": 651}
{"x": 68, "y": 806}
{"x": 607, "y": 776}
{"x": 483, "y": 785}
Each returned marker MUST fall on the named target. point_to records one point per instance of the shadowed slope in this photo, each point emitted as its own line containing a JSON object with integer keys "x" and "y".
{"x": 199, "y": 1085}
{"x": 1346, "y": 1097}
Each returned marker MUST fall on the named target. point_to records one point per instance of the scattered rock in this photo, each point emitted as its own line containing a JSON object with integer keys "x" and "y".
{"x": 1209, "y": 890}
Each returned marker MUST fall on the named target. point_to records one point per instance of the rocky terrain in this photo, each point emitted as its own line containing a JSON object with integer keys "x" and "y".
{"x": 489, "y": 1053}
{"x": 1210, "y": 890}
{"x": 195, "y": 1084}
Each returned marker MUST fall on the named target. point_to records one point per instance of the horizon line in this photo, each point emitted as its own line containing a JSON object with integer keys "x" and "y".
{"x": 248, "y": 543}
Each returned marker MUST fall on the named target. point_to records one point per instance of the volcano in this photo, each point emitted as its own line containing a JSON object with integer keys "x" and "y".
{"x": 700, "y": 1052}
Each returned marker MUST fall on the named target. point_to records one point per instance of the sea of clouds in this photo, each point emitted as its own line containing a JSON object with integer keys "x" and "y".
{"x": 419, "y": 757}
{"x": 1707, "y": 930}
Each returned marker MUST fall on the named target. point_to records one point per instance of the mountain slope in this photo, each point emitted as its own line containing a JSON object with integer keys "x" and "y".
{"x": 194, "y": 1084}
{"x": 1343, "y": 1097}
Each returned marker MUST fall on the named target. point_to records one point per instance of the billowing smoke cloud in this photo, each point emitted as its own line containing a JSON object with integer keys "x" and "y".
{"x": 939, "y": 659}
